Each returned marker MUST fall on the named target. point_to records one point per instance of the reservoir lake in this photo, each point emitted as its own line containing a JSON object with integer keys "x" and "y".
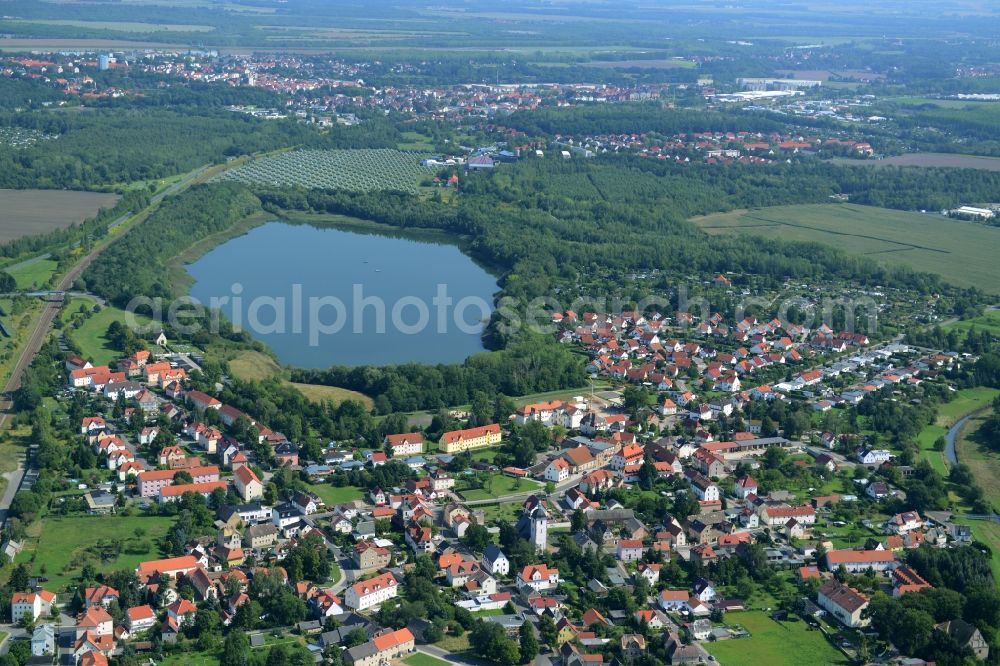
{"x": 323, "y": 296}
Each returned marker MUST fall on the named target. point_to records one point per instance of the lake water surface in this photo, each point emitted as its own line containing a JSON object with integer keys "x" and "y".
{"x": 325, "y": 296}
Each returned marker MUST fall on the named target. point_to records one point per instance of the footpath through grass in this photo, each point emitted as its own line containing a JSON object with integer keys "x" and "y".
{"x": 774, "y": 643}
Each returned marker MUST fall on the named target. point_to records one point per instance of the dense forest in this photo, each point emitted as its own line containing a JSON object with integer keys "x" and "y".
{"x": 103, "y": 148}
{"x": 635, "y": 119}
{"x": 546, "y": 222}
{"x": 137, "y": 264}
{"x": 529, "y": 365}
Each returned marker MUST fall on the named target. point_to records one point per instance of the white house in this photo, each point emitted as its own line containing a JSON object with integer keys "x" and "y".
{"x": 904, "y": 522}
{"x": 745, "y": 485}
{"x": 407, "y": 444}
{"x": 843, "y": 602}
{"x": 557, "y": 471}
{"x": 139, "y": 618}
{"x": 674, "y": 600}
{"x": 247, "y": 484}
{"x": 857, "y": 561}
{"x": 538, "y": 577}
{"x": 495, "y": 562}
{"x": 874, "y": 456}
{"x": 371, "y": 592}
{"x": 30, "y": 604}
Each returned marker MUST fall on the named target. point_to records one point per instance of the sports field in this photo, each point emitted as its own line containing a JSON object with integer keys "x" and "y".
{"x": 31, "y": 212}
{"x": 964, "y": 253}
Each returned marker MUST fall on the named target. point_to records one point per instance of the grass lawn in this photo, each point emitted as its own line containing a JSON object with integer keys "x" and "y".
{"x": 34, "y": 275}
{"x": 987, "y": 532}
{"x": 502, "y": 512}
{"x": 989, "y": 321}
{"x": 454, "y": 643}
{"x": 501, "y": 486}
{"x": 67, "y": 543}
{"x": 253, "y": 366}
{"x": 91, "y": 334}
{"x": 484, "y": 455}
{"x": 190, "y": 659}
{"x": 415, "y": 141}
{"x": 420, "y": 659}
{"x": 333, "y": 495}
{"x": 966, "y": 401}
{"x": 319, "y": 393}
{"x": 774, "y": 643}
{"x": 958, "y": 251}
{"x": 564, "y": 394}
{"x": 926, "y": 440}
{"x": 983, "y": 462}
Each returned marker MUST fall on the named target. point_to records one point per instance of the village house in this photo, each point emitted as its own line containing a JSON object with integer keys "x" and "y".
{"x": 407, "y": 444}
{"x": 31, "y": 604}
{"x": 858, "y": 561}
{"x": 139, "y": 618}
{"x": 372, "y": 592}
{"x": 844, "y": 603}
{"x": 904, "y": 522}
{"x": 966, "y": 636}
{"x": 247, "y": 484}
{"x": 151, "y": 483}
{"x": 494, "y": 561}
{"x": 538, "y": 578}
{"x": 382, "y": 649}
{"x": 169, "y": 568}
{"x": 458, "y": 441}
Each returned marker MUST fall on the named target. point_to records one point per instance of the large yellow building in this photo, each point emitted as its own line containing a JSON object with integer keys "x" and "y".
{"x": 457, "y": 441}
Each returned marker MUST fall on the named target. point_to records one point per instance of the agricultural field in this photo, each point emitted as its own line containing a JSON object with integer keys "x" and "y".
{"x": 118, "y": 26}
{"x": 65, "y": 544}
{"x": 354, "y": 170}
{"x": 774, "y": 643}
{"x": 951, "y": 160}
{"x": 32, "y": 212}
{"x": 961, "y": 252}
